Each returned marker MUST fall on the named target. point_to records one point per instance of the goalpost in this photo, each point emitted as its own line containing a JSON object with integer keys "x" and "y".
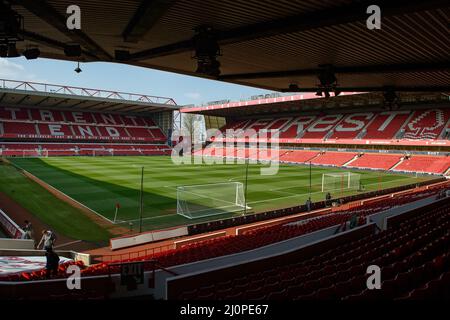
{"x": 341, "y": 181}
{"x": 102, "y": 152}
{"x": 198, "y": 201}
{"x": 36, "y": 153}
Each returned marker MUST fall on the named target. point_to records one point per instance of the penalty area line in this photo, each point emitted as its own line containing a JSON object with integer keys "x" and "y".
{"x": 149, "y": 218}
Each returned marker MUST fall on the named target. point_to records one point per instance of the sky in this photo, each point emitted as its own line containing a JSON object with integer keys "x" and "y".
{"x": 120, "y": 77}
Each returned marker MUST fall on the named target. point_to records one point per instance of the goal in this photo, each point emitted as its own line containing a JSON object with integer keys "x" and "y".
{"x": 198, "y": 201}
{"x": 102, "y": 152}
{"x": 341, "y": 181}
{"x": 36, "y": 153}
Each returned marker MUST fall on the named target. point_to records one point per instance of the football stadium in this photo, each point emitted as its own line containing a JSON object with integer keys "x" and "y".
{"x": 332, "y": 185}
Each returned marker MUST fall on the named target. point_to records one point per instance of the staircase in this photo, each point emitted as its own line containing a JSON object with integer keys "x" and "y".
{"x": 36, "y": 128}
{"x": 400, "y": 134}
{"x": 328, "y": 135}
{"x": 445, "y": 134}
{"x": 447, "y": 173}
{"x": 398, "y": 163}
{"x": 316, "y": 156}
{"x": 300, "y": 134}
{"x": 401, "y": 131}
{"x": 362, "y": 134}
{"x": 356, "y": 157}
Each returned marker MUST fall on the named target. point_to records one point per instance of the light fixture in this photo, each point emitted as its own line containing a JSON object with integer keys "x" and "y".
{"x": 293, "y": 87}
{"x": 328, "y": 81}
{"x": 391, "y": 98}
{"x": 78, "y": 69}
{"x": 122, "y": 55}
{"x": 72, "y": 50}
{"x": 11, "y": 23}
{"x": 32, "y": 53}
{"x": 12, "y": 50}
{"x": 3, "y": 51}
{"x": 206, "y": 51}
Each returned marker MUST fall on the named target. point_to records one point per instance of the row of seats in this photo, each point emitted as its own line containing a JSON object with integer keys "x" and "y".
{"x": 92, "y": 132}
{"x": 414, "y": 260}
{"x": 298, "y": 156}
{"x": 40, "y": 274}
{"x": 72, "y": 149}
{"x": 379, "y": 161}
{"x": 263, "y": 236}
{"x": 424, "y": 164}
{"x": 428, "y": 124}
{"x": 376, "y": 161}
{"x": 249, "y": 240}
{"x": 333, "y": 158}
{"x": 76, "y": 117}
{"x": 260, "y": 237}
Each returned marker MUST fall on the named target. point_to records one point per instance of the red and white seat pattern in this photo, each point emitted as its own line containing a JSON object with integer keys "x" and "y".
{"x": 322, "y": 126}
{"x": 76, "y": 125}
{"x": 351, "y": 125}
{"x": 427, "y": 124}
{"x": 377, "y": 161}
{"x": 385, "y": 125}
{"x": 359, "y": 128}
{"x": 86, "y": 149}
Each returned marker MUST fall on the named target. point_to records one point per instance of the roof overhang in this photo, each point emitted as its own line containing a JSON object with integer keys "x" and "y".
{"x": 308, "y": 102}
{"x": 264, "y": 44}
{"x": 47, "y": 96}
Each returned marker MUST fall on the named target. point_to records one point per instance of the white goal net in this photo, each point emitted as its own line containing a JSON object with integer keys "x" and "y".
{"x": 341, "y": 181}
{"x": 36, "y": 153}
{"x": 197, "y": 201}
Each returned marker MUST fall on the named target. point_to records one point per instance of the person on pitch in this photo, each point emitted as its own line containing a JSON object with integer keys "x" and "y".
{"x": 48, "y": 240}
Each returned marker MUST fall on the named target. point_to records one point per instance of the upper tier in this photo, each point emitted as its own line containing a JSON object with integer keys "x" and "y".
{"x": 76, "y": 125}
{"x": 404, "y": 127}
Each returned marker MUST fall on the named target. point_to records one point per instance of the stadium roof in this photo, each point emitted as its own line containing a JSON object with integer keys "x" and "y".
{"x": 310, "y": 102}
{"x": 264, "y": 43}
{"x": 25, "y": 93}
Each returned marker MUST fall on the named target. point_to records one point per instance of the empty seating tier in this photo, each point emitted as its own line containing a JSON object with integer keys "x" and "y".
{"x": 74, "y": 149}
{"x": 333, "y": 158}
{"x": 425, "y": 164}
{"x": 375, "y": 161}
{"x": 414, "y": 259}
{"x": 27, "y": 123}
{"x": 400, "y": 126}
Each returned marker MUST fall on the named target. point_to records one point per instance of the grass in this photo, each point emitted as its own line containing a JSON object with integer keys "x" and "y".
{"x": 62, "y": 217}
{"x": 101, "y": 182}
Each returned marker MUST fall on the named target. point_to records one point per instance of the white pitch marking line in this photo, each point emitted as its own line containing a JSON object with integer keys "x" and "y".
{"x": 68, "y": 243}
{"x": 302, "y": 194}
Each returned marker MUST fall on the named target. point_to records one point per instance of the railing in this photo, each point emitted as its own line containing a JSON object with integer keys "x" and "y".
{"x": 152, "y": 262}
{"x": 83, "y": 92}
{"x": 134, "y": 254}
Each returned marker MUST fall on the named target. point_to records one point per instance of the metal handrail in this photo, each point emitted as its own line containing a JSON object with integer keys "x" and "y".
{"x": 84, "y": 92}
{"x": 135, "y": 254}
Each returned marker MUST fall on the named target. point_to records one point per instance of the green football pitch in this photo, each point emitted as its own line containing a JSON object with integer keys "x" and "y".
{"x": 101, "y": 182}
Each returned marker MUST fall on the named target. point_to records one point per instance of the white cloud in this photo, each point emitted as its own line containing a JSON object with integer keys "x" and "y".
{"x": 14, "y": 71}
{"x": 193, "y": 95}
{"x": 9, "y": 69}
